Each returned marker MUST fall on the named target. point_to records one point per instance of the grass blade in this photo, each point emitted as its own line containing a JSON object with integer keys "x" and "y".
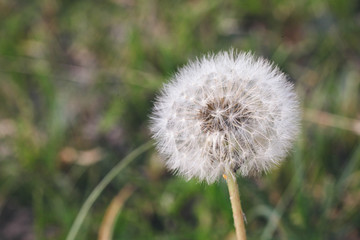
{"x": 101, "y": 186}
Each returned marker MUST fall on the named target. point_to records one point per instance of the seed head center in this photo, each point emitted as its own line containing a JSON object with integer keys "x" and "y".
{"x": 221, "y": 114}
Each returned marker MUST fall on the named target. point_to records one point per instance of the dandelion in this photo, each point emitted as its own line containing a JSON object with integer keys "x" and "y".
{"x": 229, "y": 113}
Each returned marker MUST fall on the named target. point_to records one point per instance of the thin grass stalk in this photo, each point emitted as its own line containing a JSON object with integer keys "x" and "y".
{"x": 101, "y": 186}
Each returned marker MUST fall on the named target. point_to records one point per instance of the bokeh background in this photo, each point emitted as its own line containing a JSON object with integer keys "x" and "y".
{"x": 77, "y": 83}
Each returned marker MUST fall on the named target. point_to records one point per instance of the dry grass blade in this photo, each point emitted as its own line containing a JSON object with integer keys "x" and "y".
{"x": 85, "y": 208}
{"x": 107, "y": 225}
{"x": 332, "y": 120}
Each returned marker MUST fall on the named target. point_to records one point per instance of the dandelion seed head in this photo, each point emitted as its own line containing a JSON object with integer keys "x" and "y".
{"x": 225, "y": 112}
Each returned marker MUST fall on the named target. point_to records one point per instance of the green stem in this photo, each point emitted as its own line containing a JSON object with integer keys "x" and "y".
{"x": 236, "y": 206}
{"x": 101, "y": 186}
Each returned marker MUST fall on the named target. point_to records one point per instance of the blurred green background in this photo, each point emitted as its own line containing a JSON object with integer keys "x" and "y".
{"x": 77, "y": 83}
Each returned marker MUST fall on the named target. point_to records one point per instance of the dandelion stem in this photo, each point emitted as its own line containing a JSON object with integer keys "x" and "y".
{"x": 236, "y": 206}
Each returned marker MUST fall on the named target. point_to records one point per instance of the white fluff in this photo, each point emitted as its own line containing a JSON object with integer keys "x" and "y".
{"x": 229, "y": 111}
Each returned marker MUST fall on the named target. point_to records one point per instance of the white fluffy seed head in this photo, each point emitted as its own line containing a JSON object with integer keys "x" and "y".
{"x": 225, "y": 112}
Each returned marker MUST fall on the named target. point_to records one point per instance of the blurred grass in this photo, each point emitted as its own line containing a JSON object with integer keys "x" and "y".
{"x": 77, "y": 82}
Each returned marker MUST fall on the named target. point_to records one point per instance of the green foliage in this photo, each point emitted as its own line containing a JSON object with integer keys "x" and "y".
{"x": 77, "y": 82}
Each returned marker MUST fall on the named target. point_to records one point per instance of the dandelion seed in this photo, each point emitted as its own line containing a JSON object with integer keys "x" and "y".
{"x": 229, "y": 112}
